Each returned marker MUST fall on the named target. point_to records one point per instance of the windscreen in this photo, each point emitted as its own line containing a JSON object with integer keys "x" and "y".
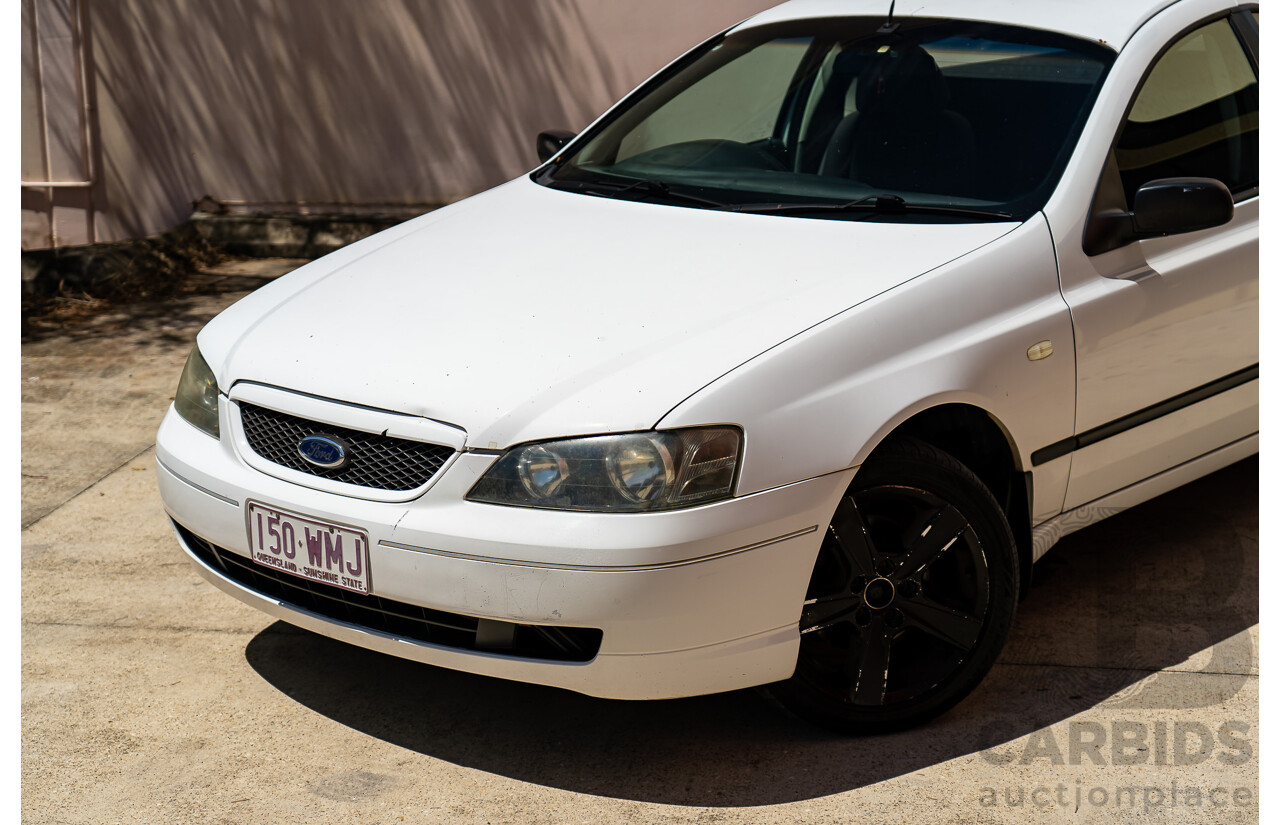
{"x": 835, "y": 112}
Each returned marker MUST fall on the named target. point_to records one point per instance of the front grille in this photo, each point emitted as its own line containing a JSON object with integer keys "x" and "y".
{"x": 377, "y": 461}
{"x": 437, "y": 627}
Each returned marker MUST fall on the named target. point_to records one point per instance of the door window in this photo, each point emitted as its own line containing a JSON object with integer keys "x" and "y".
{"x": 1195, "y": 116}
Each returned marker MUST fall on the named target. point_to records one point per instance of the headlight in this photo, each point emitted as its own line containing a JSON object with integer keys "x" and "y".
{"x": 197, "y": 397}
{"x": 636, "y": 472}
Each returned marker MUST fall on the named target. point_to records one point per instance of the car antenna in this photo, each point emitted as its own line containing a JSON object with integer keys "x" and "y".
{"x": 889, "y": 26}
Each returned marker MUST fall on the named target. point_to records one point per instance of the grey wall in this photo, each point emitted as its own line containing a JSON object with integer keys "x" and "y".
{"x": 323, "y": 105}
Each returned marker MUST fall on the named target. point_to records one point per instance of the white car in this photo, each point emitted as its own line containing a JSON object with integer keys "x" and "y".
{"x": 784, "y": 372}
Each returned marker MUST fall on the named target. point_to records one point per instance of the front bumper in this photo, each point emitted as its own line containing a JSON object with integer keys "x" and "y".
{"x": 689, "y": 602}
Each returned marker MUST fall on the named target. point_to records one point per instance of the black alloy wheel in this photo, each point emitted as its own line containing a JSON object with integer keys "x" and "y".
{"x": 911, "y": 597}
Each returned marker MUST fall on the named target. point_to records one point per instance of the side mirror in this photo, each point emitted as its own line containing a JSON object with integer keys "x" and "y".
{"x": 551, "y": 142}
{"x": 1169, "y": 206}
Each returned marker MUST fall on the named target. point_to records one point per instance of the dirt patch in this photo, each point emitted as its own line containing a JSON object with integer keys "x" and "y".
{"x": 69, "y": 286}
{"x": 186, "y": 301}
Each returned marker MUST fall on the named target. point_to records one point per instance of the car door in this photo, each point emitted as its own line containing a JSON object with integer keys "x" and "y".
{"x": 1166, "y": 328}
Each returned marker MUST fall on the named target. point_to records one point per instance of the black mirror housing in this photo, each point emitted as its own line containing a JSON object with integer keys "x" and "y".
{"x": 1168, "y": 206}
{"x": 551, "y": 142}
{"x": 1171, "y": 206}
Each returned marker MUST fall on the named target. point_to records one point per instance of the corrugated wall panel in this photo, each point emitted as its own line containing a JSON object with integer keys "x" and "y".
{"x": 281, "y": 103}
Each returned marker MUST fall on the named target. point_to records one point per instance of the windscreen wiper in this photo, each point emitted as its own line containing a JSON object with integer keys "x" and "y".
{"x": 657, "y": 188}
{"x": 880, "y": 204}
{"x": 645, "y": 186}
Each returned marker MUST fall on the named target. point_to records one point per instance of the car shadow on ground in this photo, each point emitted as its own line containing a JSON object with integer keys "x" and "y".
{"x": 1144, "y": 591}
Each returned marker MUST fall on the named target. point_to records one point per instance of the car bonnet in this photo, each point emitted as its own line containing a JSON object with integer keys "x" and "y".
{"x": 528, "y": 313}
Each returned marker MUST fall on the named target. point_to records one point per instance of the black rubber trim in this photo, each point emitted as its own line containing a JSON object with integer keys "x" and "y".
{"x": 1246, "y": 27}
{"x": 1144, "y": 416}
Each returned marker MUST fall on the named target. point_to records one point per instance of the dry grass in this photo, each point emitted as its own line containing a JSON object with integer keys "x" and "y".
{"x": 152, "y": 269}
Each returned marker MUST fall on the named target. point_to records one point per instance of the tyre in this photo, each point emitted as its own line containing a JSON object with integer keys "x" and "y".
{"x": 911, "y": 598}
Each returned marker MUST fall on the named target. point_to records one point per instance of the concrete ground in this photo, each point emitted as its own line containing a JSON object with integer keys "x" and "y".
{"x": 1128, "y": 692}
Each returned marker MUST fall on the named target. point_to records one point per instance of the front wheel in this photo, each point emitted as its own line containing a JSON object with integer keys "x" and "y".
{"x": 911, "y": 597}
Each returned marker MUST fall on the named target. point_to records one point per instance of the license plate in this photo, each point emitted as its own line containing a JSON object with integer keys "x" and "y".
{"x": 319, "y": 551}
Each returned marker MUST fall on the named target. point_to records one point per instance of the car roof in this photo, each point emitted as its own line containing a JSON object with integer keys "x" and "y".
{"x": 1111, "y": 22}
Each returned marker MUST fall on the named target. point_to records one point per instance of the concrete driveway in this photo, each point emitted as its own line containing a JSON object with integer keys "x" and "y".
{"x": 1128, "y": 691}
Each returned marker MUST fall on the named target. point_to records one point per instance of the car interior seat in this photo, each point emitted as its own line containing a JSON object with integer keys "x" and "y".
{"x": 902, "y": 137}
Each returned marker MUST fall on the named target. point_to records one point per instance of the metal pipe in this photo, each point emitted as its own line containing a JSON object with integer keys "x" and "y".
{"x": 86, "y": 112}
{"x": 38, "y": 67}
{"x": 57, "y": 184}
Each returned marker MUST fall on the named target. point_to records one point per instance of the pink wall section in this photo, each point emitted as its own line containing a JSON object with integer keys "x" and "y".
{"x": 324, "y": 105}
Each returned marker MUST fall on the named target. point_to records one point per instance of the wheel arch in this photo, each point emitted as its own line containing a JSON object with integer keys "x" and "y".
{"x": 978, "y": 439}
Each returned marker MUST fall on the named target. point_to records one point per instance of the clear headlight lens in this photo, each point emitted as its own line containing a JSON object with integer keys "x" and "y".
{"x": 635, "y": 472}
{"x": 541, "y": 471}
{"x": 197, "y": 397}
{"x": 640, "y": 468}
